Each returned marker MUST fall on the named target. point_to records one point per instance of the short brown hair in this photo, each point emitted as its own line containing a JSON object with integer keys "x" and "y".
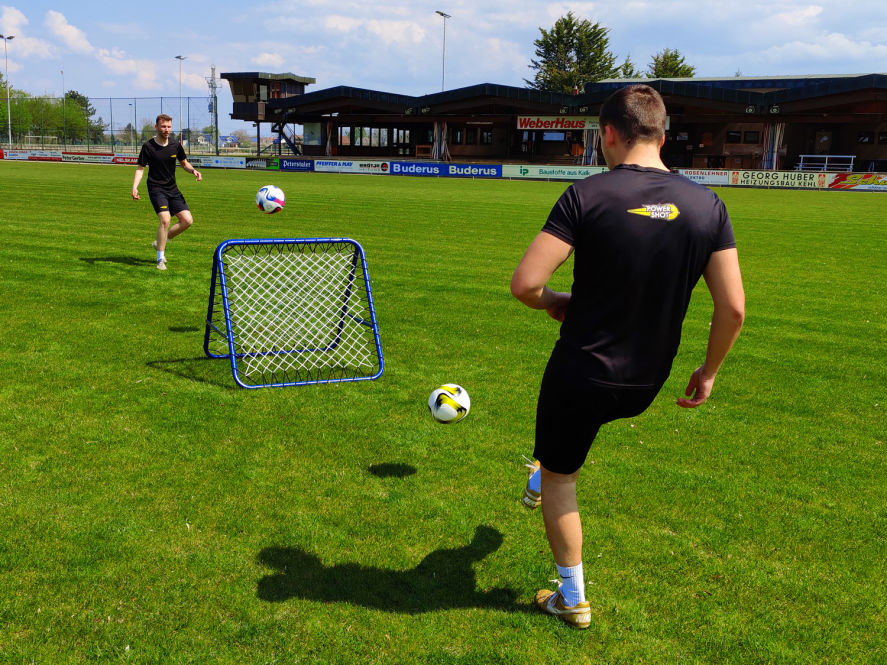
{"x": 162, "y": 118}
{"x": 637, "y": 112}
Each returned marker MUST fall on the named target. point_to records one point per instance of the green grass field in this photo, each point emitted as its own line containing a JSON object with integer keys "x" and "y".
{"x": 152, "y": 512}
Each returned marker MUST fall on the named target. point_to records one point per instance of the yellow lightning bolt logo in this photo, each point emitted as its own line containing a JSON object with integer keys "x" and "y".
{"x": 663, "y": 211}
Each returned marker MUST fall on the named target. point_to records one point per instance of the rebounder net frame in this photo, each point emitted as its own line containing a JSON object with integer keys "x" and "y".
{"x": 291, "y": 312}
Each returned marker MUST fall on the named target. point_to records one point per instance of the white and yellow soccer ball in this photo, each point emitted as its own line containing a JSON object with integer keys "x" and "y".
{"x": 449, "y": 403}
{"x": 270, "y": 199}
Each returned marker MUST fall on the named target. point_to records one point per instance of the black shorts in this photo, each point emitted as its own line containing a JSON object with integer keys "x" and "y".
{"x": 164, "y": 201}
{"x": 572, "y": 408}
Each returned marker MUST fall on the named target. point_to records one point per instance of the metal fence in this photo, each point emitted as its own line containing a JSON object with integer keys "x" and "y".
{"x": 119, "y": 124}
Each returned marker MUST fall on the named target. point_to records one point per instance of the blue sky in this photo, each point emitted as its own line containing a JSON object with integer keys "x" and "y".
{"x": 127, "y": 49}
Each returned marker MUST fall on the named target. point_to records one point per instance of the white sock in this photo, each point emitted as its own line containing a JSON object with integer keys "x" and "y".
{"x": 572, "y": 584}
{"x": 161, "y": 256}
{"x": 535, "y": 481}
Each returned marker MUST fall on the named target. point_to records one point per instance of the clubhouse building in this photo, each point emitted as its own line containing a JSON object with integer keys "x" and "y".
{"x": 830, "y": 123}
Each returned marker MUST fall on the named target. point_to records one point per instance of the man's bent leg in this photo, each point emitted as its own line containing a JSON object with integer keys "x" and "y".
{"x": 185, "y": 220}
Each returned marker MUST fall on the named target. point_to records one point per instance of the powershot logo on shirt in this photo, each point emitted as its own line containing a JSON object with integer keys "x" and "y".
{"x": 664, "y": 211}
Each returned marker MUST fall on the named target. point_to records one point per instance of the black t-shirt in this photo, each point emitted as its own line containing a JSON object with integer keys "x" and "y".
{"x": 642, "y": 238}
{"x": 161, "y": 163}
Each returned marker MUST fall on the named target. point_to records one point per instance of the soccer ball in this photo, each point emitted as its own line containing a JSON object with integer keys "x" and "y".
{"x": 270, "y": 199}
{"x": 449, "y": 403}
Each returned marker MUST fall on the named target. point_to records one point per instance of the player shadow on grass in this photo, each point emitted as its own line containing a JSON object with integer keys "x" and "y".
{"x": 123, "y": 260}
{"x": 202, "y": 370}
{"x": 444, "y": 579}
{"x": 392, "y": 470}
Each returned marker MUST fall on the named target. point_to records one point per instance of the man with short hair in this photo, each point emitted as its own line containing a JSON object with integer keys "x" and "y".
{"x": 160, "y": 155}
{"x": 642, "y": 237}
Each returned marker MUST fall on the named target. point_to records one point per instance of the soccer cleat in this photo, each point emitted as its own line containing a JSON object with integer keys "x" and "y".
{"x": 161, "y": 264}
{"x": 552, "y": 602}
{"x": 531, "y": 499}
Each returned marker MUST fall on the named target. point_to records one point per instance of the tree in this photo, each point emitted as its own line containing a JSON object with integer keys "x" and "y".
{"x": 669, "y": 63}
{"x": 242, "y": 136}
{"x": 574, "y": 52}
{"x": 629, "y": 71}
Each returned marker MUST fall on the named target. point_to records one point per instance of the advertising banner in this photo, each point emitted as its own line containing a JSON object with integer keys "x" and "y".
{"x": 262, "y": 163}
{"x": 557, "y": 123}
{"x": 446, "y": 170}
{"x": 707, "y": 176}
{"x": 867, "y": 182}
{"x": 350, "y": 166}
{"x": 219, "y": 162}
{"x": 287, "y": 164}
{"x": 35, "y": 155}
{"x": 88, "y": 157}
{"x": 788, "y": 179}
{"x": 125, "y": 159}
{"x": 550, "y": 172}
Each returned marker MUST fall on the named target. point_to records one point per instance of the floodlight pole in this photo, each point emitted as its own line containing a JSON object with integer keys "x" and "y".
{"x": 64, "y": 114}
{"x": 180, "y": 58}
{"x": 443, "y": 64}
{"x": 5, "y": 39}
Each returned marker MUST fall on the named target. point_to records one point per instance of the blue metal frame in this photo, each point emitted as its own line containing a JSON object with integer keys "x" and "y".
{"x": 218, "y": 280}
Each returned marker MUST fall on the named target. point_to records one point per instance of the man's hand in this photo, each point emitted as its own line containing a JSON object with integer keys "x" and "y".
{"x": 558, "y": 309}
{"x": 197, "y": 175}
{"x": 135, "y": 194}
{"x": 698, "y": 389}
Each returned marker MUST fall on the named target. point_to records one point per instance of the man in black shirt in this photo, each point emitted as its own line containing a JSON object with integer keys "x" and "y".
{"x": 642, "y": 237}
{"x": 160, "y": 155}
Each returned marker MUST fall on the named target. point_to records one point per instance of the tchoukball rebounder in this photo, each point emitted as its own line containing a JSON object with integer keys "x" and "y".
{"x": 291, "y": 312}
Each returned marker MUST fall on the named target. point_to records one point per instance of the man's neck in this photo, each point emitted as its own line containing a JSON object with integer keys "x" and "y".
{"x": 161, "y": 142}
{"x": 643, "y": 154}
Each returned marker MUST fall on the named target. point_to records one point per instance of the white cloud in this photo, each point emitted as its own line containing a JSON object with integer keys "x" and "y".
{"x": 72, "y": 37}
{"x": 13, "y": 22}
{"x": 194, "y": 81}
{"x": 268, "y": 59}
{"x": 824, "y": 47}
{"x": 142, "y": 71}
{"x": 390, "y": 32}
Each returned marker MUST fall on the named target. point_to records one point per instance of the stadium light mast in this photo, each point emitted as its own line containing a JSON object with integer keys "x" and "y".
{"x": 6, "y": 39}
{"x": 64, "y": 109}
{"x": 443, "y": 64}
{"x": 180, "y": 58}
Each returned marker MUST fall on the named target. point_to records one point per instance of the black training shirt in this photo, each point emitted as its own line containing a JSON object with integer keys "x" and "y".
{"x": 642, "y": 238}
{"x": 161, "y": 163}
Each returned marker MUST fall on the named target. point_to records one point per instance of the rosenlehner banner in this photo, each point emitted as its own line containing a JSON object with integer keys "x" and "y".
{"x": 557, "y": 123}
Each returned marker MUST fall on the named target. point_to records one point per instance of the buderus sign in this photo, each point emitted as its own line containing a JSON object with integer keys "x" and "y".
{"x": 446, "y": 170}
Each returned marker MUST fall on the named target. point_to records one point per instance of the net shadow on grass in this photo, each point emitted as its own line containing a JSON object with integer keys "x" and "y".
{"x": 122, "y": 260}
{"x": 202, "y": 370}
{"x": 443, "y": 580}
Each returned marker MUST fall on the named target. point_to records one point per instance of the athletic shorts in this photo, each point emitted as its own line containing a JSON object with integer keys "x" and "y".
{"x": 572, "y": 408}
{"x": 172, "y": 202}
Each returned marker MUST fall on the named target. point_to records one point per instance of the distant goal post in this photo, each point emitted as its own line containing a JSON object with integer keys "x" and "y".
{"x": 291, "y": 312}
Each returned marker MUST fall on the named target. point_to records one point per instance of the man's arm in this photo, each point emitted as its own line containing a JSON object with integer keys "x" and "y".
{"x": 724, "y": 281}
{"x": 137, "y": 178}
{"x": 190, "y": 169}
{"x": 528, "y": 284}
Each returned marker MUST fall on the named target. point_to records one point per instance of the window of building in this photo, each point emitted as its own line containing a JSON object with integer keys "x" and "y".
{"x": 471, "y": 136}
{"x": 457, "y": 135}
{"x": 751, "y": 137}
{"x": 486, "y": 135}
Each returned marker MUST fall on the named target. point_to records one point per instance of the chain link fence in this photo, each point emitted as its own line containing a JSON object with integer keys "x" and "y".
{"x": 112, "y": 124}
